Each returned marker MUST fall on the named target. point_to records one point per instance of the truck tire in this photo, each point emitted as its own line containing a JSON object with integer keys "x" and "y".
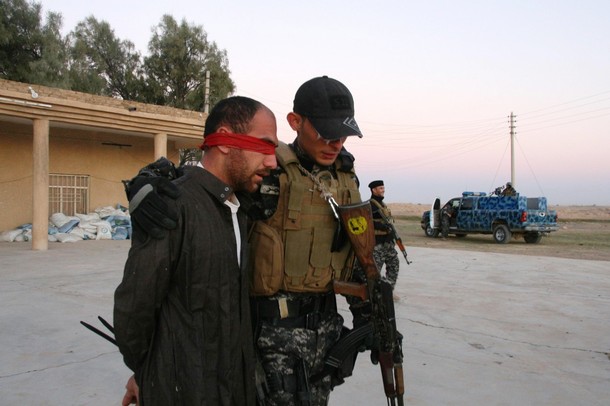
{"x": 430, "y": 232}
{"x": 501, "y": 234}
{"x": 532, "y": 238}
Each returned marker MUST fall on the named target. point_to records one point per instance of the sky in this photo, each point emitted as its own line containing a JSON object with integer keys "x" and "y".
{"x": 434, "y": 83}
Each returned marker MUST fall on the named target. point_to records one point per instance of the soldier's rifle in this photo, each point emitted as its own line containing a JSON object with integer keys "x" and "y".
{"x": 357, "y": 220}
{"x": 395, "y": 235}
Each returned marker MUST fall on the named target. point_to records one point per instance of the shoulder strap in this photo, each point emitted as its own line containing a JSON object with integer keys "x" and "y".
{"x": 285, "y": 155}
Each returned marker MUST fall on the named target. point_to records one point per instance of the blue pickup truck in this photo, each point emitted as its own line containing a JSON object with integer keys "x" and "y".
{"x": 501, "y": 216}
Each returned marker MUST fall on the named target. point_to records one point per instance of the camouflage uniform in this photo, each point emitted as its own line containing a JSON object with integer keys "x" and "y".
{"x": 446, "y": 214}
{"x": 385, "y": 253}
{"x": 293, "y": 360}
{"x": 292, "y": 350}
{"x": 385, "y": 250}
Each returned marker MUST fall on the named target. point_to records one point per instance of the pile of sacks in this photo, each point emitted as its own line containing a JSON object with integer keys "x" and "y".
{"x": 105, "y": 223}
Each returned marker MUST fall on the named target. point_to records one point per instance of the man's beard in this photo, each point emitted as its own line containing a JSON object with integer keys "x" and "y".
{"x": 239, "y": 174}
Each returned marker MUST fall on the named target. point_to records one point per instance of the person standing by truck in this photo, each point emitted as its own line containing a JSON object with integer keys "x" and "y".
{"x": 446, "y": 214}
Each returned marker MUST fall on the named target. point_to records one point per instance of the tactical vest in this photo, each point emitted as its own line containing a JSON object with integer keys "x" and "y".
{"x": 385, "y": 210}
{"x": 290, "y": 251}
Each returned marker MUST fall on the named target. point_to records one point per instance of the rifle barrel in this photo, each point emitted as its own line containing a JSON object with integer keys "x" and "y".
{"x": 402, "y": 249}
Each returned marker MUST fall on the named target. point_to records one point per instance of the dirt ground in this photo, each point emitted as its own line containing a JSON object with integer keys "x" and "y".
{"x": 563, "y": 212}
{"x": 584, "y": 233}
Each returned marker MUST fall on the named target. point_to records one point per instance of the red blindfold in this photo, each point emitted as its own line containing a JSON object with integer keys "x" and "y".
{"x": 239, "y": 141}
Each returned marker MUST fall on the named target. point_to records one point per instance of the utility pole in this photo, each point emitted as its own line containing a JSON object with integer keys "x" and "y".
{"x": 512, "y": 149}
{"x": 206, "y": 105}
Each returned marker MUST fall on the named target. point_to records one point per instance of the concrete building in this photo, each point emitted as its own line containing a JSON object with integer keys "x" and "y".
{"x": 65, "y": 151}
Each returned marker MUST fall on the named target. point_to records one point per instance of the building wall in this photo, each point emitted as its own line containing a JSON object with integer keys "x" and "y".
{"x": 74, "y": 152}
{"x": 15, "y": 176}
{"x": 105, "y": 138}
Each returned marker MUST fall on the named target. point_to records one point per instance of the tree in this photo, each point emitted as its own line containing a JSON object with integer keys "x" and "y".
{"x": 175, "y": 69}
{"x": 52, "y": 68}
{"x": 30, "y": 51}
{"x": 92, "y": 59}
{"x": 103, "y": 64}
{"x": 221, "y": 84}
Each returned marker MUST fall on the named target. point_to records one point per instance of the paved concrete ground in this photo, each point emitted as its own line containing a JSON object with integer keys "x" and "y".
{"x": 480, "y": 329}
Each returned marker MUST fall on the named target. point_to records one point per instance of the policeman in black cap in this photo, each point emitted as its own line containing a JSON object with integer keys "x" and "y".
{"x": 296, "y": 318}
{"x": 385, "y": 251}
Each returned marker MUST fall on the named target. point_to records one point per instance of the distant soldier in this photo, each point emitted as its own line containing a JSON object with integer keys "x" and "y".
{"x": 446, "y": 214}
{"x": 384, "y": 252}
{"x": 509, "y": 190}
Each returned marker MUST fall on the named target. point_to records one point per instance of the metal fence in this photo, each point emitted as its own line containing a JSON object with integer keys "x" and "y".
{"x": 68, "y": 194}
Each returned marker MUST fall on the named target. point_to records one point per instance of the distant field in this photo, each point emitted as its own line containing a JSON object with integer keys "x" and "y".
{"x": 564, "y": 212}
{"x": 584, "y": 233}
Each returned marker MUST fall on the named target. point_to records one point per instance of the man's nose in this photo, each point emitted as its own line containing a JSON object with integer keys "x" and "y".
{"x": 270, "y": 161}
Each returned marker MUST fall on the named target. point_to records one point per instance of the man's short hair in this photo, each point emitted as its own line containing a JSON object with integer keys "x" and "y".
{"x": 234, "y": 112}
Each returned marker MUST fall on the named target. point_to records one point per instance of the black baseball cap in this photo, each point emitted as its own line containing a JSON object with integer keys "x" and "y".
{"x": 375, "y": 183}
{"x": 329, "y": 106}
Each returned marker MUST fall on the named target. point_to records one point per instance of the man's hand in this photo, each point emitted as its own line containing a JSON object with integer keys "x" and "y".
{"x": 132, "y": 393}
{"x": 150, "y": 215}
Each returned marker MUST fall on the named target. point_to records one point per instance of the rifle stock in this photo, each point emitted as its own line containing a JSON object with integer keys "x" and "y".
{"x": 357, "y": 219}
{"x": 351, "y": 289}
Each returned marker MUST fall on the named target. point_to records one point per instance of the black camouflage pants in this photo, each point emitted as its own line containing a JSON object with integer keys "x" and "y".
{"x": 289, "y": 355}
{"x": 385, "y": 253}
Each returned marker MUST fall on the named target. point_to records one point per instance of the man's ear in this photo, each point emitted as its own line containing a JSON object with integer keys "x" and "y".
{"x": 223, "y": 149}
{"x": 224, "y": 129}
{"x": 295, "y": 121}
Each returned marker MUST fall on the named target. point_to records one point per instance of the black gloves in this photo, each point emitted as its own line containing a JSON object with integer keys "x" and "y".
{"x": 150, "y": 215}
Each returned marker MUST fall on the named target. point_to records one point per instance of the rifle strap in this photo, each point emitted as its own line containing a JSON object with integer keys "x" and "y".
{"x": 383, "y": 211}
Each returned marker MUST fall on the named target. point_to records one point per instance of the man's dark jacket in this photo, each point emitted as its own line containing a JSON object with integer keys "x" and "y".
{"x": 383, "y": 234}
{"x": 181, "y": 313}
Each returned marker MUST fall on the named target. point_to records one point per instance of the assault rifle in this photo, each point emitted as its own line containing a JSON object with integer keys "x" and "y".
{"x": 395, "y": 236}
{"x": 357, "y": 220}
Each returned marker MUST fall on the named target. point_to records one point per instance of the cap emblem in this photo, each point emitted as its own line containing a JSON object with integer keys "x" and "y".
{"x": 351, "y": 123}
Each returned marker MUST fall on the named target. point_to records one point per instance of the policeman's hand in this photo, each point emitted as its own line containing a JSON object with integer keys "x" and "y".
{"x": 149, "y": 213}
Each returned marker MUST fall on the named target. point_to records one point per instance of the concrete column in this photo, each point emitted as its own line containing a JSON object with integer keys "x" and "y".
{"x": 160, "y": 145}
{"x": 40, "y": 182}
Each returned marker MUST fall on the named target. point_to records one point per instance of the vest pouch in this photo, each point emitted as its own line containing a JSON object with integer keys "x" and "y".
{"x": 308, "y": 268}
{"x": 267, "y": 260}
